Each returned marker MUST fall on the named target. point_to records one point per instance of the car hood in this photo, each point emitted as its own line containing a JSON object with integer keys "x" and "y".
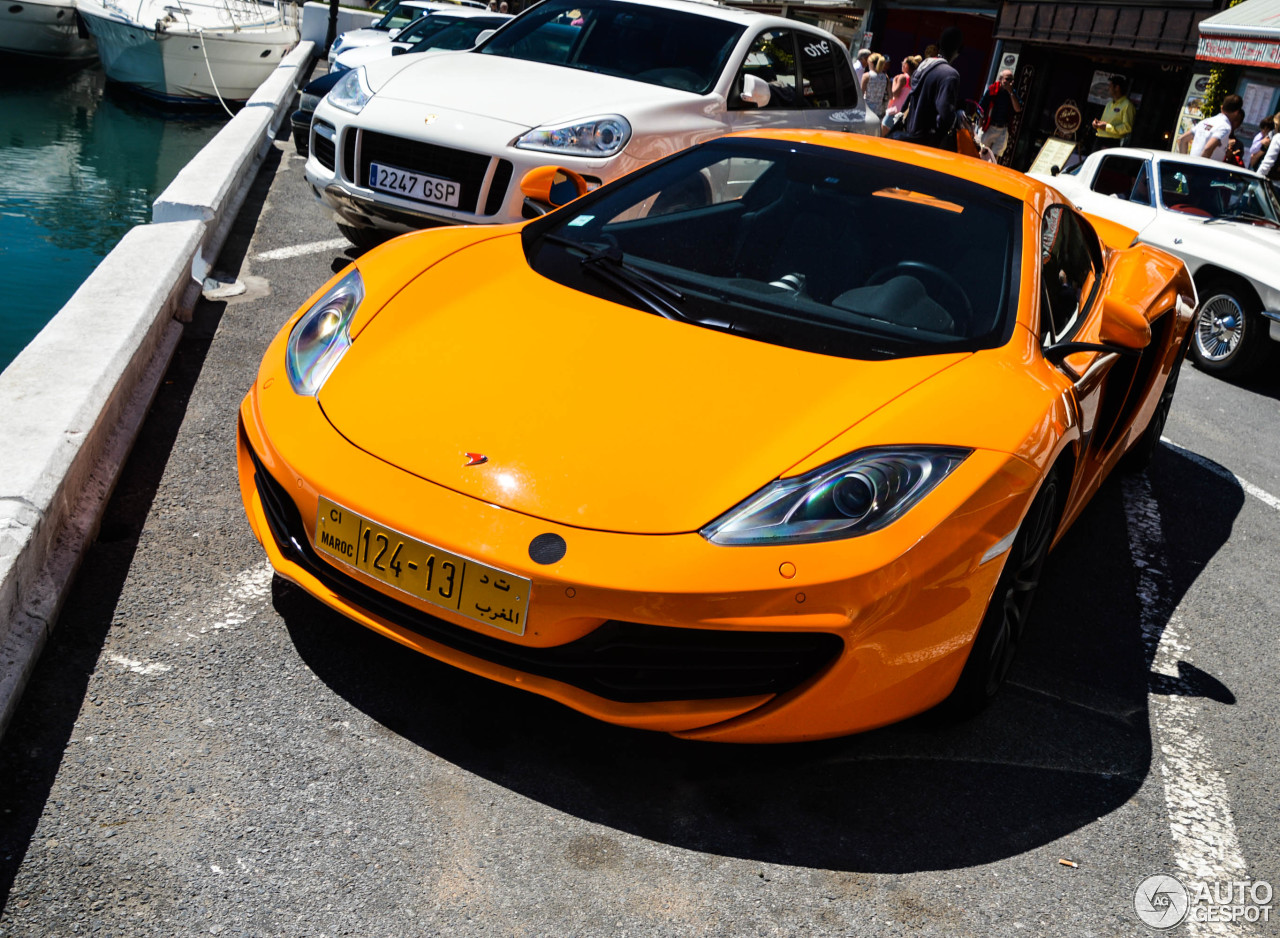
{"x": 512, "y": 90}
{"x": 588, "y": 413}
{"x": 1255, "y": 241}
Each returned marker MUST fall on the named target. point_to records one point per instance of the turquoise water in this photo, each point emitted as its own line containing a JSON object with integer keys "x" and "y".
{"x": 80, "y": 164}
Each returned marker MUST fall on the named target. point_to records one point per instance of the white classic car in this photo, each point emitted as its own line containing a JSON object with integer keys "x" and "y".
{"x": 1223, "y": 221}
{"x": 601, "y": 87}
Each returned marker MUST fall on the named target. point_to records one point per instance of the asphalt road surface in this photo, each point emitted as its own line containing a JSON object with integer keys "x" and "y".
{"x": 206, "y": 750}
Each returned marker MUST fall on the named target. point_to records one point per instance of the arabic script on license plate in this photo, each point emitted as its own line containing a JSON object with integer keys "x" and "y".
{"x": 436, "y": 576}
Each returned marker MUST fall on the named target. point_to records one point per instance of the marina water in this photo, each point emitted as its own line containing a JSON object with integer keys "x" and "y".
{"x": 82, "y": 162}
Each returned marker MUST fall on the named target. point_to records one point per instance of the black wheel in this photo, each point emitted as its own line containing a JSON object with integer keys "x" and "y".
{"x": 1003, "y": 626}
{"x": 1230, "y": 333}
{"x": 363, "y": 238}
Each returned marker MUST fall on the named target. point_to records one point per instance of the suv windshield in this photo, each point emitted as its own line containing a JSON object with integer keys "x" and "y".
{"x": 664, "y": 47}
{"x": 398, "y": 17}
{"x": 809, "y": 247}
{"x": 447, "y": 32}
{"x": 1213, "y": 192}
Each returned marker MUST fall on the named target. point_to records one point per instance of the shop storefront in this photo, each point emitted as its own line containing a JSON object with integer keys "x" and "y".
{"x": 1246, "y": 36}
{"x": 1068, "y": 52}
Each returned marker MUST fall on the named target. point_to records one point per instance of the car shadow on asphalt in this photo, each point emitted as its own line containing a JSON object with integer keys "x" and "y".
{"x": 1066, "y": 742}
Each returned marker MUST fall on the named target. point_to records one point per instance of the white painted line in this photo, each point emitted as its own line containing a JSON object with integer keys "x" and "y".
{"x": 244, "y": 596}
{"x": 138, "y": 667}
{"x": 1260, "y": 494}
{"x": 1205, "y": 844}
{"x": 315, "y": 247}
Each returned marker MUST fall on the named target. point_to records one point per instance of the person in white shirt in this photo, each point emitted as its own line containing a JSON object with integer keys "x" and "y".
{"x": 1272, "y": 154}
{"x": 1211, "y": 136}
{"x": 1261, "y": 140}
{"x": 860, "y": 65}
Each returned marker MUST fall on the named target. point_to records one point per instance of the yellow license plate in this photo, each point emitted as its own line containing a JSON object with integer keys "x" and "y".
{"x": 437, "y": 576}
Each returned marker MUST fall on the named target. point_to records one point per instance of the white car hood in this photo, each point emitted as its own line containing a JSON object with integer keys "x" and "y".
{"x": 1241, "y": 239}
{"x": 513, "y": 91}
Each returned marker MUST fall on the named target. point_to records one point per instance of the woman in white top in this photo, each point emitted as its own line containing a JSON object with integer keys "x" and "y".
{"x": 875, "y": 83}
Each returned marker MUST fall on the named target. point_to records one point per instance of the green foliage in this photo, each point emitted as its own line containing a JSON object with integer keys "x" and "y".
{"x": 1222, "y": 80}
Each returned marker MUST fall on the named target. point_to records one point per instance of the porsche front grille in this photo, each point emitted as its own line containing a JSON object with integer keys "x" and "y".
{"x": 466, "y": 168}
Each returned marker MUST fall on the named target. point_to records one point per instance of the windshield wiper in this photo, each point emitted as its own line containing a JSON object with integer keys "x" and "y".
{"x": 606, "y": 261}
{"x": 1243, "y": 216}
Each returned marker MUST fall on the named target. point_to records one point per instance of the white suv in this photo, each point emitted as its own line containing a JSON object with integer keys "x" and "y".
{"x": 598, "y": 86}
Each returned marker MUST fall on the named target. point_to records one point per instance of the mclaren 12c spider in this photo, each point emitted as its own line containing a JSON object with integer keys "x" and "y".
{"x": 768, "y": 440}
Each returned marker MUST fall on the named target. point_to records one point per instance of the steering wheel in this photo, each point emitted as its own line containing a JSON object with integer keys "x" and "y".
{"x": 940, "y": 277}
{"x": 1188, "y": 209}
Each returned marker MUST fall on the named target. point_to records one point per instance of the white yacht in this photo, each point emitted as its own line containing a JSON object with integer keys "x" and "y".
{"x": 45, "y": 29}
{"x": 188, "y": 51}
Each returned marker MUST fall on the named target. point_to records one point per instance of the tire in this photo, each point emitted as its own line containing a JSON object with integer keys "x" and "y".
{"x": 1230, "y": 335}
{"x": 363, "y": 238}
{"x": 1004, "y": 624}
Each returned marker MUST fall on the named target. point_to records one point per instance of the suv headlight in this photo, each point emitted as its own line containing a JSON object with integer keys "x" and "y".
{"x": 595, "y": 136}
{"x": 352, "y": 92}
{"x": 856, "y": 494}
{"x": 322, "y": 335}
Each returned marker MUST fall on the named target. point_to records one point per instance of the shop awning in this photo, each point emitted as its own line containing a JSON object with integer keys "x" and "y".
{"x": 1156, "y": 30}
{"x": 1246, "y": 34}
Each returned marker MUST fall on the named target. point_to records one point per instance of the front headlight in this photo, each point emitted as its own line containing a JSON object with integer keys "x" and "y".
{"x": 352, "y": 92}
{"x": 856, "y": 494}
{"x": 595, "y": 136}
{"x": 322, "y": 335}
{"x": 308, "y": 102}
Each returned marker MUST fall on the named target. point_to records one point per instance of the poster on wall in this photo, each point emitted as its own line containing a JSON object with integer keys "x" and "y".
{"x": 1257, "y": 103}
{"x": 1100, "y": 88}
{"x": 1193, "y": 105}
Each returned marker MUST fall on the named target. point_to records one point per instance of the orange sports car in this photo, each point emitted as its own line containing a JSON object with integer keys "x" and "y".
{"x": 766, "y": 441}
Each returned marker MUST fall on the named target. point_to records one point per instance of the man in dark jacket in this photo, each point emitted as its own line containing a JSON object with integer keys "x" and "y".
{"x": 935, "y": 96}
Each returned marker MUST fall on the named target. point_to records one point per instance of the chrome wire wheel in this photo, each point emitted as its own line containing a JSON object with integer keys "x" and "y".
{"x": 1219, "y": 327}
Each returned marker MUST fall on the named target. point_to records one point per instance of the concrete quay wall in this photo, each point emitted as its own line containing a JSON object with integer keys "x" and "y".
{"x": 72, "y": 402}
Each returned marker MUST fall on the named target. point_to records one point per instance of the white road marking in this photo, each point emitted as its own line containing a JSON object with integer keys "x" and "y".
{"x": 139, "y": 667}
{"x": 1260, "y": 494}
{"x": 1206, "y": 846}
{"x": 315, "y": 247}
{"x": 243, "y": 598}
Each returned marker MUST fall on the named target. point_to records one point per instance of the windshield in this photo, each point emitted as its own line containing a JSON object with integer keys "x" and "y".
{"x": 664, "y": 47}
{"x": 1217, "y": 192}
{"x": 797, "y": 245}
{"x": 398, "y": 17}
{"x": 448, "y": 32}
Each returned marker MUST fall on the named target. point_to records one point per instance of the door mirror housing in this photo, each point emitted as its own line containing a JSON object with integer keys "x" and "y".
{"x": 549, "y": 187}
{"x": 755, "y": 90}
{"x": 1123, "y": 325}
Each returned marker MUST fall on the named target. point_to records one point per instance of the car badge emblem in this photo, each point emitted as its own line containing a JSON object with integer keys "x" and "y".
{"x": 430, "y": 118}
{"x": 477, "y": 459}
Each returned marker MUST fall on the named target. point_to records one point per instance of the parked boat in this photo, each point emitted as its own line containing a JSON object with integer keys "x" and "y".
{"x": 191, "y": 51}
{"x": 45, "y": 29}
